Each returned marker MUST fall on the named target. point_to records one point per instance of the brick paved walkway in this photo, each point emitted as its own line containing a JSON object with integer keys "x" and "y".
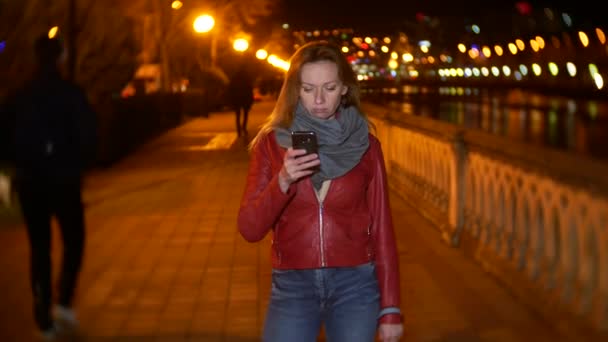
{"x": 164, "y": 261}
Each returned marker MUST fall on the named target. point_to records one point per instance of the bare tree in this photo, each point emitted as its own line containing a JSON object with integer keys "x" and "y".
{"x": 99, "y": 37}
{"x": 169, "y": 38}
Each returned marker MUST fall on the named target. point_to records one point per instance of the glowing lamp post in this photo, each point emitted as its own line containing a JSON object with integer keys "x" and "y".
{"x": 240, "y": 45}
{"x": 261, "y": 54}
{"x": 203, "y": 23}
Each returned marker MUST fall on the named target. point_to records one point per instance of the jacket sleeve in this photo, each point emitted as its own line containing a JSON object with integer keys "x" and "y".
{"x": 263, "y": 201}
{"x": 385, "y": 247}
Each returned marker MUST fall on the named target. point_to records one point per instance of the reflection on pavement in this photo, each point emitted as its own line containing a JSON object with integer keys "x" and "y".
{"x": 220, "y": 141}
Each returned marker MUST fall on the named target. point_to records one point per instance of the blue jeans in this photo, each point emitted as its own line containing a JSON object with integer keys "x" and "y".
{"x": 345, "y": 300}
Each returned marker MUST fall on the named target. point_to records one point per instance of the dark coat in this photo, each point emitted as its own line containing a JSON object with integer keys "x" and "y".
{"x": 240, "y": 89}
{"x": 49, "y": 128}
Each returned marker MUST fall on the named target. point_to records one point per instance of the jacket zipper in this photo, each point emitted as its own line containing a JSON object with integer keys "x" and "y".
{"x": 321, "y": 241}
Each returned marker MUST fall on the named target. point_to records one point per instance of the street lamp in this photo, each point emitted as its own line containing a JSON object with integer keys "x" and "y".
{"x": 176, "y": 4}
{"x": 203, "y": 23}
{"x": 53, "y": 32}
{"x": 240, "y": 45}
{"x": 261, "y": 54}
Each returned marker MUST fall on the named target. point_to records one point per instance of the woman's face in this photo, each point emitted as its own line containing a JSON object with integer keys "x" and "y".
{"x": 321, "y": 89}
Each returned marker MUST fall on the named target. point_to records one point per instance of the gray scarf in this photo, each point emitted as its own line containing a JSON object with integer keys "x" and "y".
{"x": 342, "y": 140}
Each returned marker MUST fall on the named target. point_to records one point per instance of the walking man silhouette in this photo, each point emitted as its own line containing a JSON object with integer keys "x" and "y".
{"x": 53, "y": 135}
{"x": 240, "y": 97}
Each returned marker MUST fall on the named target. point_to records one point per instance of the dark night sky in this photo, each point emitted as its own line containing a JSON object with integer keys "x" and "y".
{"x": 310, "y": 14}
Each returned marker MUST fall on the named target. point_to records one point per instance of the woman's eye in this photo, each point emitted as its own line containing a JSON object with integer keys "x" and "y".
{"x": 307, "y": 90}
{"x": 331, "y": 88}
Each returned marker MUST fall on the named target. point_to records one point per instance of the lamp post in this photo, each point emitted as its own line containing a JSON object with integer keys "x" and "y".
{"x": 204, "y": 24}
{"x": 240, "y": 45}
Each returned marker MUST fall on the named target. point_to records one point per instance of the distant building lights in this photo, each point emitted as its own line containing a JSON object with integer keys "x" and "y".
{"x": 600, "y": 35}
{"x": 475, "y": 29}
{"x": 53, "y": 32}
{"x": 495, "y": 71}
{"x": 583, "y": 38}
{"x": 534, "y": 45}
{"x": 485, "y": 72}
{"x": 553, "y": 68}
{"x": 513, "y": 48}
{"x": 487, "y": 52}
{"x": 520, "y": 44}
{"x": 462, "y": 48}
{"x": 536, "y": 69}
{"x": 517, "y": 75}
{"x": 473, "y": 53}
{"x": 599, "y": 81}
{"x": 407, "y": 57}
{"x": 498, "y": 50}
{"x": 593, "y": 69}
{"x": 567, "y": 20}
{"x": 571, "y": 69}
{"x": 506, "y": 70}
{"x": 540, "y": 41}
{"x": 523, "y": 69}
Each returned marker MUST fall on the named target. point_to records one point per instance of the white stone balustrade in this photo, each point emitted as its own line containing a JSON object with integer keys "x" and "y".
{"x": 535, "y": 218}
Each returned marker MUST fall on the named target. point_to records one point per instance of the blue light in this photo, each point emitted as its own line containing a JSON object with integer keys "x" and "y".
{"x": 2, "y": 46}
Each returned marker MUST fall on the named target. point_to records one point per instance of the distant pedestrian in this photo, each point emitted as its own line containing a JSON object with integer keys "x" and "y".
{"x": 52, "y": 131}
{"x": 240, "y": 97}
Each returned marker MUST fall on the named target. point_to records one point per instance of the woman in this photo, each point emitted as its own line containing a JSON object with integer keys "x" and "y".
{"x": 334, "y": 254}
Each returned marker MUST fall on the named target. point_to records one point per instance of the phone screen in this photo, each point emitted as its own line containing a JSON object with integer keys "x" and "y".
{"x": 306, "y": 140}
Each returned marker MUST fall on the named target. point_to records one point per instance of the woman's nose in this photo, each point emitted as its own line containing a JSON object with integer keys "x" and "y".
{"x": 319, "y": 96}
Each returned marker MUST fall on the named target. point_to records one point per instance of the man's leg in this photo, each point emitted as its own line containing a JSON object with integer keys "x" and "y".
{"x": 237, "y": 115}
{"x": 37, "y": 216}
{"x": 70, "y": 216}
{"x": 246, "y": 110}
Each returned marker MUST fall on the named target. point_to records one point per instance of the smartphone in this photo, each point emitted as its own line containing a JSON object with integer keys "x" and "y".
{"x": 306, "y": 140}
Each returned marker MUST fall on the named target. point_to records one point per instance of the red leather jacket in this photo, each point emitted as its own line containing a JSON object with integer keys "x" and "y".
{"x": 352, "y": 226}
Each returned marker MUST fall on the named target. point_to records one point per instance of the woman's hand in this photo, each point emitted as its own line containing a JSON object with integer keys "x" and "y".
{"x": 295, "y": 166}
{"x": 390, "y": 332}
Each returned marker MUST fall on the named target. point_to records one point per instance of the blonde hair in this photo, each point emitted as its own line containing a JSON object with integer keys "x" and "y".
{"x": 283, "y": 112}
